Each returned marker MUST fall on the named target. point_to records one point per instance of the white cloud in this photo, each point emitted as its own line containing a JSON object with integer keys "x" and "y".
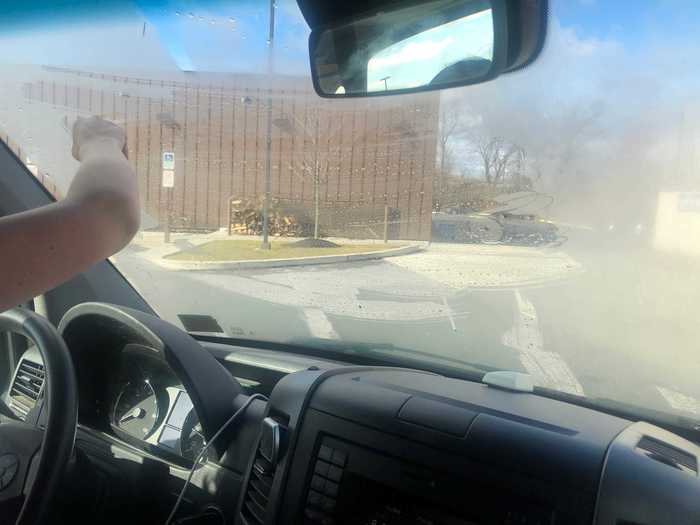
{"x": 411, "y": 53}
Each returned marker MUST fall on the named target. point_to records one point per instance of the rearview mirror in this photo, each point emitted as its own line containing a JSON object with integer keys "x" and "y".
{"x": 420, "y": 47}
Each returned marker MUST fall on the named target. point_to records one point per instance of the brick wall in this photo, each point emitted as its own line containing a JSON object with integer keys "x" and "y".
{"x": 364, "y": 152}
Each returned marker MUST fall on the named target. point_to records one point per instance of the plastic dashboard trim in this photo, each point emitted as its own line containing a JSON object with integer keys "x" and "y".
{"x": 296, "y": 412}
{"x": 211, "y": 387}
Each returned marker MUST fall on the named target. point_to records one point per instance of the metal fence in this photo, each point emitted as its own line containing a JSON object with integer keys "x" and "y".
{"x": 366, "y": 153}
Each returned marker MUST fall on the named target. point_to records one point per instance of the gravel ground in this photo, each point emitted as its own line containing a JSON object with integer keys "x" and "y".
{"x": 461, "y": 266}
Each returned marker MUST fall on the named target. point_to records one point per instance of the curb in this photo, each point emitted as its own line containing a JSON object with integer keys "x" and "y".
{"x": 281, "y": 263}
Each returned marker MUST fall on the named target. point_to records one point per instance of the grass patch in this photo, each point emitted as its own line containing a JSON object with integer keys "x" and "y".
{"x": 248, "y": 250}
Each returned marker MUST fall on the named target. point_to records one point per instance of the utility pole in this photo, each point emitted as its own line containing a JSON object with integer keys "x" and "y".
{"x": 168, "y": 182}
{"x": 441, "y": 174}
{"x": 268, "y": 153}
{"x": 316, "y": 200}
{"x": 386, "y": 87}
{"x": 386, "y": 223}
{"x": 317, "y": 180}
{"x": 168, "y": 215}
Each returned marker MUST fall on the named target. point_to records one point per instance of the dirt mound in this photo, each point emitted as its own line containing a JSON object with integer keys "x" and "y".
{"x": 313, "y": 243}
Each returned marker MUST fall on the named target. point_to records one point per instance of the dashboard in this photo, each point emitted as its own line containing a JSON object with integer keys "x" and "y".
{"x": 392, "y": 446}
{"x": 341, "y": 444}
{"x": 148, "y": 406}
{"x": 151, "y": 405}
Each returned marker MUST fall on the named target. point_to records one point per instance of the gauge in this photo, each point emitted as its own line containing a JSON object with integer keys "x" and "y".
{"x": 192, "y": 438}
{"x": 136, "y": 409}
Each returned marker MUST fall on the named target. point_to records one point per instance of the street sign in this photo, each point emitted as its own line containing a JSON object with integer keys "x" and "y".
{"x": 168, "y": 179}
{"x": 168, "y": 160}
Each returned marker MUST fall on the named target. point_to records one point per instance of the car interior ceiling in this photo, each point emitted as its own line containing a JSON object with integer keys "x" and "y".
{"x": 268, "y": 433}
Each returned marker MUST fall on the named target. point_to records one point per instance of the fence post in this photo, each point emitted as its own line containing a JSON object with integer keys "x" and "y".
{"x": 168, "y": 215}
{"x": 230, "y": 214}
{"x": 386, "y": 223}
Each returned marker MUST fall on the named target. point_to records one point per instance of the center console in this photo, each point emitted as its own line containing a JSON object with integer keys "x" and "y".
{"x": 372, "y": 487}
{"x": 382, "y": 446}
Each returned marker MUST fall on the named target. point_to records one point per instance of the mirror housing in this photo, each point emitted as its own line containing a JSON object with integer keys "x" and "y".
{"x": 419, "y": 46}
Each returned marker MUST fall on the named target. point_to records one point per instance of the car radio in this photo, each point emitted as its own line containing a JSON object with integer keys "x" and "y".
{"x": 352, "y": 485}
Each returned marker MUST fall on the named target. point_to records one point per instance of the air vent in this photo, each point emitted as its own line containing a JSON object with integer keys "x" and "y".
{"x": 26, "y": 387}
{"x": 257, "y": 494}
{"x": 668, "y": 455}
{"x": 268, "y": 455}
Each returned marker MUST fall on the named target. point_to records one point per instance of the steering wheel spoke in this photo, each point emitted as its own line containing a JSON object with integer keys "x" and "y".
{"x": 34, "y": 453}
{"x": 19, "y": 446}
{"x": 36, "y": 417}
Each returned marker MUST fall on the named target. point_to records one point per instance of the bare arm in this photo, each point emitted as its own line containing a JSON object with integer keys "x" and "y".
{"x": 42, "y": 248}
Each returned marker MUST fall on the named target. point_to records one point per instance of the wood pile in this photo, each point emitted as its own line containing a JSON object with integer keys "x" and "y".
{"x": 246, "y": 218}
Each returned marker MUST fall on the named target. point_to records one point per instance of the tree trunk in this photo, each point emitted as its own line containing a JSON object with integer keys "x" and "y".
{"x": 442, "y": 165}
{"x": 317, "y": 194}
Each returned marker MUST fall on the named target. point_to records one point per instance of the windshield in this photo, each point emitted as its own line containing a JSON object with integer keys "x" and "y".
{"x": 546, "y": 222}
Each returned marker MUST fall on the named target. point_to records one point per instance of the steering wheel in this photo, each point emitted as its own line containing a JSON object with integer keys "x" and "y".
{"x": 34, "y": 453}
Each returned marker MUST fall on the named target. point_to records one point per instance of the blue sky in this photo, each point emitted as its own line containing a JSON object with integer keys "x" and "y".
{"x": 631, "y": 22}
{"x": 200, "y": 35}
{"x": 229, "y": 36}
{"x": 596, "y": 48}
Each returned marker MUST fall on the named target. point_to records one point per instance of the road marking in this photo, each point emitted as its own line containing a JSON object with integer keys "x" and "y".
{"x": 679, "y": 401}
{"x": 548, "y": 369}
{"x": 448, "y": 311}
{"x": 341, "y": 291}
{"x": 319, "y": 325}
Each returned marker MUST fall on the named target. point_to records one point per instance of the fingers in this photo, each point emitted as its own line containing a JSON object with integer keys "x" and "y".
{"x": 96, "y": 129}
{"x": 75, "y": 149}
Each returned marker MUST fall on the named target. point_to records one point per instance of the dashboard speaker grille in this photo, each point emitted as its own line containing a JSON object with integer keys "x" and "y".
{"x": 667, "y": 454}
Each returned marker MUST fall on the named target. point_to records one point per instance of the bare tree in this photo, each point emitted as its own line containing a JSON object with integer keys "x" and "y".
{"x": 500, "y": 158}
{"x": 308, "y": 167}
{"x": 557, "y": 147}
{"x": 555, "y": 137}
{"x": 314, "y": 164}
{"x": 452, "y": 124}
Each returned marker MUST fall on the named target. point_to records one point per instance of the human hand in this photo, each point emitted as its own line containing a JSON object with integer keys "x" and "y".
{"x": 96, "y": 132}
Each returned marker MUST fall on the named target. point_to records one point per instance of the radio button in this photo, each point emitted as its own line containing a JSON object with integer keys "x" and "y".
{"x": 331, "y": 489}
{"x": 318, "y": 483}
{"x": 339, "y": 458}
{"x": 322, "y": 468}
{"x": 315, "y": 498}
{"x": 335, "y": 473}
{"x": 325, "y": 453}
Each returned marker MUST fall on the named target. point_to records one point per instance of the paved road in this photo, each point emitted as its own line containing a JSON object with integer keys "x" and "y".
{"x": 619, "y": 327}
